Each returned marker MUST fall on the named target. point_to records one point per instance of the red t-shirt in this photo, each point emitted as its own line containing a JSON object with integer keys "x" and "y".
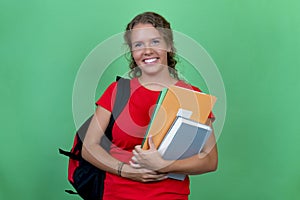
{"x": 129, "y": 131}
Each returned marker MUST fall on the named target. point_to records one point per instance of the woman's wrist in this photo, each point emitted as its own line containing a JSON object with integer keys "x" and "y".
{"x": 166, "y": 167}
{"x": 125, "y": 171}
{"x": 120, "y": 167}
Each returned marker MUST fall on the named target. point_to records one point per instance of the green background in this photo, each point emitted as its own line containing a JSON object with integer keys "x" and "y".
{"x": 254, "y": 43}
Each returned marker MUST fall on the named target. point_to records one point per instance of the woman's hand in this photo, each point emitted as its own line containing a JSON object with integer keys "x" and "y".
{"x": 149, "y": 159}
{"x": 141, "y": 174}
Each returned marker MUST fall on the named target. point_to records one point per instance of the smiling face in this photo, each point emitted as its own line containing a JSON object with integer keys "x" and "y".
{"x": 149, "y": 49}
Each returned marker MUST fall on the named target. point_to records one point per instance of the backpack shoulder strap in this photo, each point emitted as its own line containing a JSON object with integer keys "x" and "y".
{"x": 122, "y": 96}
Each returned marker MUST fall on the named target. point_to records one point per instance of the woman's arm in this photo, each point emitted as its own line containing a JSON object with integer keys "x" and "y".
{"x": 99, "y": 157}
{"x": 204, "y": 162}
{"x": 91, "y": 150}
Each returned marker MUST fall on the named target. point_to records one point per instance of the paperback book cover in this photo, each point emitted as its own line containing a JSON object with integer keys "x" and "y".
{"x": 184, "y": 139}
{"x": 170, "y": 101}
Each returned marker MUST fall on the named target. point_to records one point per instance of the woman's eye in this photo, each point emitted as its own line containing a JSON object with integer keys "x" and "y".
{"x": 137, "y": 45}
{"x": 155, "y": 42}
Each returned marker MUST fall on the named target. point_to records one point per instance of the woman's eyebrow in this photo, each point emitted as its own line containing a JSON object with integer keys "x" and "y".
{"x": 154, "y": 38}
{"x": 138, "y": 41}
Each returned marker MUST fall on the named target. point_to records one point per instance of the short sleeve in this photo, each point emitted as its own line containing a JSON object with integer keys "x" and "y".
{"x": 108, "y": 97}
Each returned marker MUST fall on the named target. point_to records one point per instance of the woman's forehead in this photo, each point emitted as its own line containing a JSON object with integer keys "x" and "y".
{"x": 144, "y": 31}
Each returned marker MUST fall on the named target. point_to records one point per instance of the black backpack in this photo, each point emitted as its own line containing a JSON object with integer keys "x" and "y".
{"x": 87, "y": 179}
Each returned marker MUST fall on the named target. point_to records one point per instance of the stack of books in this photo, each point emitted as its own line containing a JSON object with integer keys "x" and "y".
{"x": 177, "y": 124}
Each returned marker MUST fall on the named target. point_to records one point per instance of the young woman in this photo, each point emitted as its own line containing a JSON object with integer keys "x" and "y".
{"x": 133, "y": 173}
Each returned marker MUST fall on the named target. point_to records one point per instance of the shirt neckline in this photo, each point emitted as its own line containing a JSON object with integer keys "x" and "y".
{"x": 137, "y": 82}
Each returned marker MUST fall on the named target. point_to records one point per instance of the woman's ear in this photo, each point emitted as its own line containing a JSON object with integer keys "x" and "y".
{"x": 169, "y": 48}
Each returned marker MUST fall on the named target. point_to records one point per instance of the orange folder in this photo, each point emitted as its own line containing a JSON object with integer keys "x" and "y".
{"x": 176, "y": 98}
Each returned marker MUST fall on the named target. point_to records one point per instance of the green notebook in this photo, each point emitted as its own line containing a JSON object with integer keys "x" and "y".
{"x": 158, "y": 104}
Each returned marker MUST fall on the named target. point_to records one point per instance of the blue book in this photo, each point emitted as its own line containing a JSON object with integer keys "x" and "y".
{"x": 184, "y": 139}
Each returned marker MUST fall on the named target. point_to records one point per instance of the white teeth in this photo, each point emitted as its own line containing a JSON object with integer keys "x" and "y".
{"x": 150, "y": 60}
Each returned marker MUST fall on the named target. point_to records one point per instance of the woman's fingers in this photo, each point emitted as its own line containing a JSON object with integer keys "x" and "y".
{"x": 138, "y": 148}
{"x": 141, "y": 174}
{"x": 151, "y": 143}
{"x": 135, "y": 153}
{"x": 134, "y": 164}
{"x": 154, "y": 177}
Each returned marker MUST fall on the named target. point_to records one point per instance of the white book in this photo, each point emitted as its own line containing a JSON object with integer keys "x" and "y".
{"x": 184, "y": 139}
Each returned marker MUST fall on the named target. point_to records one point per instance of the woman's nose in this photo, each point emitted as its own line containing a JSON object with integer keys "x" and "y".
{"x": 148, "y": 50}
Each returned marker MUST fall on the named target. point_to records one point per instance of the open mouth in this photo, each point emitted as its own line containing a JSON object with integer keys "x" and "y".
{"x": 150, "y": 60}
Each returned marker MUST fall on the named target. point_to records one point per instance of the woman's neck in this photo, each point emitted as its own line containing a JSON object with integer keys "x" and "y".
{"x": 157, "y": 83}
